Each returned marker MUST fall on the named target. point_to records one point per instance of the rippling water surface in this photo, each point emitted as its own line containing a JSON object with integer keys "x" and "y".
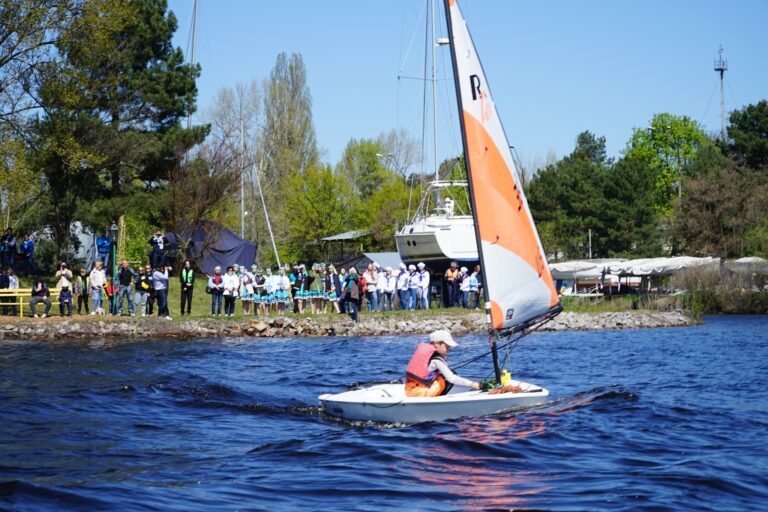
{"x": 666, "y": 419}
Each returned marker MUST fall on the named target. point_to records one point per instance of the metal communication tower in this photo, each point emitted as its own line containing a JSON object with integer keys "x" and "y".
{"x": 721, "y": 66}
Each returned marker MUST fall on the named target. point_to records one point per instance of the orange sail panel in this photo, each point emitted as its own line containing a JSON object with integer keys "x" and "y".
{"x": 516, "y": 275}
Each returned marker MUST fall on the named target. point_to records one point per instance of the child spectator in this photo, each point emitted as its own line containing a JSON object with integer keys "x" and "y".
{"x": 109, "y": 291}
{"x": 80, "y": 290}
{"x": 65, "y": 301}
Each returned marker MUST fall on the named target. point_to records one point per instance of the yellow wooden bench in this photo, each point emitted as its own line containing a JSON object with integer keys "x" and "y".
{"x": 20, "y": 297}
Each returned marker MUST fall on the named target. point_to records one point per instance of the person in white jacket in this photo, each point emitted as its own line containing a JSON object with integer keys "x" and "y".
{"x": 96, "y": 281}
{"x": 413, "y": 287}
{"x": 231, "y": 290}
{"x": 388, "y": 284}
{"x": 423, "y": 280}
{"x": 402, "y": 287}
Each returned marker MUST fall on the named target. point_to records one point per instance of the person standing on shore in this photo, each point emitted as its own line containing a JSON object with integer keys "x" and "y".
{"x": 96, "y": 281}
{"x": 231, "y": 285}
{"x": 402, "y": 287}
{"x": 187, "y": 282}
{"x": 125, "y": 278}
{"x": 353, "y": 293}
{"x": 80, "y": 290}
{"x": 451, "y": 276}
{"x": 216, "y": 285}
{"x": 63, "y": 276}
{"x": 342, "y": 284}
{"x": 27, "y": 249}
{"x": 142, "y": 286}
{"x": 413, "y": 287}
{"x": 157, "y": 253}
{"x": 151, "y": 295}
{"x": 160, "y": 284}
{"x": 10, "y": 248}
{"x": 388, "y": 291}
{"x": 423, "y": 291}
{"x": 282, "y": 286}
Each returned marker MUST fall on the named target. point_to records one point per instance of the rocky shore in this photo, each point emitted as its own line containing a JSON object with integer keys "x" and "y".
{"x": 375, "y": 325}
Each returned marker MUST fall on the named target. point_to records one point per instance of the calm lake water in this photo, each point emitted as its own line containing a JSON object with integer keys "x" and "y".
{"x": 665, "y": 419}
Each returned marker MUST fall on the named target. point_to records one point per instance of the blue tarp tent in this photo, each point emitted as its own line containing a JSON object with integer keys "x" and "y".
{"x": 211, "y": 244}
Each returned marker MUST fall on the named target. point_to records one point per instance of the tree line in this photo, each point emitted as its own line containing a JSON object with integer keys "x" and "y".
{"x": 674, "y": 191}
{"x": 95, "y": 109}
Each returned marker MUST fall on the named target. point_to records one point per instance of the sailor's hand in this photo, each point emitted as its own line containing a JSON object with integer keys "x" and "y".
{"x": 475, "y": 385}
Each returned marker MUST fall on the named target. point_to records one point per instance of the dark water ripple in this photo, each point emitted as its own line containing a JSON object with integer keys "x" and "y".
{"x": 668, "y": 419}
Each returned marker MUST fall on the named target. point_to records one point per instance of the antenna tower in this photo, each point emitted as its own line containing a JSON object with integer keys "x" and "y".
{"x": 721, "y": 66}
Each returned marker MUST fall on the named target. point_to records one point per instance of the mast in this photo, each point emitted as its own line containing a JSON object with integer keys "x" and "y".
{"x": 242, "y": 173}
{"x": 721, "y": 66}
{"x": 434, "y": 106}
{"x": 465, "y": 146}
{"x": 192, "y": 53}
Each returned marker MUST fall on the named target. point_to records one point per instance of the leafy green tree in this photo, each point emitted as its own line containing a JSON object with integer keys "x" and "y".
{"x": 385, "y": 211}
{"x": 567, "y": 199}
{"x": 749, "y": 131}
{"x": 319, "y": 200}
{"x": 629, "y": 218}
{"x": 668, "y": 148}
{"x": 28, "y": 31}
{"x": 111, "y": 106}
{"x": 122, "y": 67}
{"x": 362, "y": 166}
{"x": 725, "y": 213}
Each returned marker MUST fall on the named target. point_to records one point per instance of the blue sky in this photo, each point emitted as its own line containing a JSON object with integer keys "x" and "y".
{"x": 555, "y": 68}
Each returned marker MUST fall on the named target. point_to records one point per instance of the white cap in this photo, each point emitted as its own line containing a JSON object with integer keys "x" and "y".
{"x": 463, "y": 270}
{"x": 388, "y": 269}
{"x": 375, "y": 264}
{"x": 402, "y": 266}
{"x": 420, "y": 264}
{"x": 411, "y": 267}
{"x": 444, "y": 336}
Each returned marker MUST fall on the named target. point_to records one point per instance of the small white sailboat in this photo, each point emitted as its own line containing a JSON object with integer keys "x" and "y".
{"x": 519, "y": 290}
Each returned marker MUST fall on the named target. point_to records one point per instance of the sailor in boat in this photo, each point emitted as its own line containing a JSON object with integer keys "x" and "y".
{"x": 428, "y": 373}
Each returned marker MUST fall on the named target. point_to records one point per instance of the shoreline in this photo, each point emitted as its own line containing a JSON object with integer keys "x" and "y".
{"x": 85, "y": 328}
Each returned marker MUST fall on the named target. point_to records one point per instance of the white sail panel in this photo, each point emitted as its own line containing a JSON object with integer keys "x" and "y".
{"x": 517, "y": 278}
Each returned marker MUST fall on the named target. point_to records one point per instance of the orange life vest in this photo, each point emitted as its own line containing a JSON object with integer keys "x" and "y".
{"x": 418, "y": 368}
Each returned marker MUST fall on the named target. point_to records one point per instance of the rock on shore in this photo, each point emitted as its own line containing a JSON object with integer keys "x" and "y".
{"x": 374, "y": 325}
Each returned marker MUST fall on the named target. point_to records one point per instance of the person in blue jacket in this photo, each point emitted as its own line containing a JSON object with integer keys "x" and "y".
{"x": 27, "y": 249}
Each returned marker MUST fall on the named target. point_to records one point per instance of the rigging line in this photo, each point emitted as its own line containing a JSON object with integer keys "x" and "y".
{"x": 449, "y": 93}
{"x": 703, "y": 119}
{"x": 733, "y": 96}
{"x": 518, "y": 337}
{"x": 404, "y": 59}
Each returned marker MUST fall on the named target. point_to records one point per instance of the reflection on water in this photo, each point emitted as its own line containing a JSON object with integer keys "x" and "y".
{"x": 479, "y": 461}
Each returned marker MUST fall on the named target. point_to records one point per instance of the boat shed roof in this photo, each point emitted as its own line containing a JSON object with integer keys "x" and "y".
{"x": 348, "y": 235}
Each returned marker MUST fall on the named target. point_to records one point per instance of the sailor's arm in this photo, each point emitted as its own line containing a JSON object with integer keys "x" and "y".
{"x": 450, "y": 376}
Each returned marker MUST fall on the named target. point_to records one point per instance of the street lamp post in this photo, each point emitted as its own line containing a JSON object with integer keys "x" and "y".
{"x": 114, "y": 231}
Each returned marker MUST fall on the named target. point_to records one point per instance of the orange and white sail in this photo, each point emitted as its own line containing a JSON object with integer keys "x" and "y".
{"x": 518, "y": 282}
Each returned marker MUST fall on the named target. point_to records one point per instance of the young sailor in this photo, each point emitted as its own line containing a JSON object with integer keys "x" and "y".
{"x": 428, "y": 371}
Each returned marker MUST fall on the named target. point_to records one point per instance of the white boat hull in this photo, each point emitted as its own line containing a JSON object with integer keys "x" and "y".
{"x": 438, "y": 238}
{"x": 388, "y": 403}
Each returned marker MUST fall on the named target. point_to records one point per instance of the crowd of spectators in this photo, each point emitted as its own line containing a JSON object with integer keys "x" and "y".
{"x": 321, "y": 289}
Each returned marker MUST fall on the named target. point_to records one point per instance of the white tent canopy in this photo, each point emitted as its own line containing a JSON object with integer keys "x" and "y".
{"x": 586, "y": 269}
{"x": 658, "y": 266}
